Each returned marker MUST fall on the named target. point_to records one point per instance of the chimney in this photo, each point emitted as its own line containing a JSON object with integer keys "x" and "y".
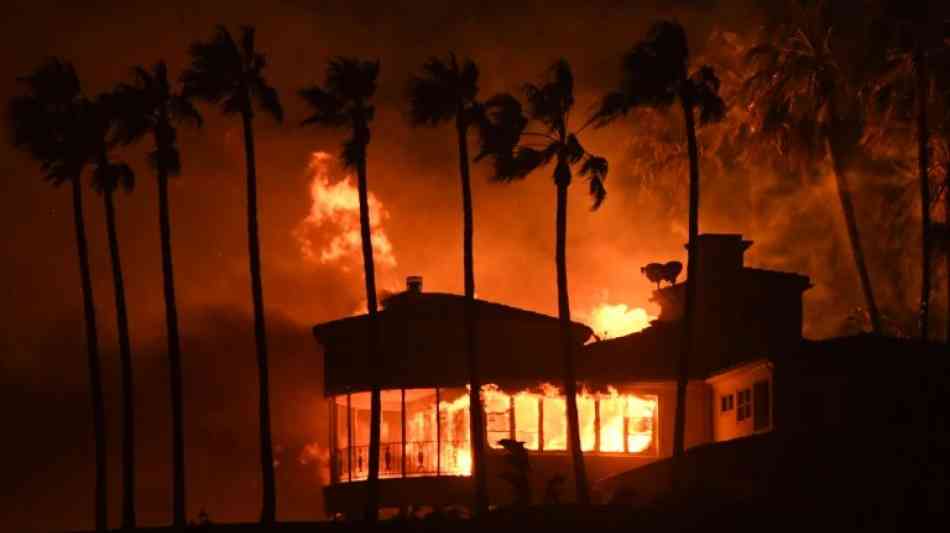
{"x": 720, "y": 254}
{"x": 414, "y": 284}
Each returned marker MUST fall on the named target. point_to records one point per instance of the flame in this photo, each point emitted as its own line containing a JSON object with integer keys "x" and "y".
{"x": 616, "y": 320}
{"x": 450, "y": 454}
{"x": 334, "y": 208}
{"x": 619, "y": 414}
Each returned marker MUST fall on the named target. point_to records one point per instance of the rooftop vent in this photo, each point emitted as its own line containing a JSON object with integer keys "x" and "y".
{"x": 414, "y": 284}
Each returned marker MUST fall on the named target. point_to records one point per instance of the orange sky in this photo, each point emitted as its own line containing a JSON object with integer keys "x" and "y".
{"x": 412, "y": 174}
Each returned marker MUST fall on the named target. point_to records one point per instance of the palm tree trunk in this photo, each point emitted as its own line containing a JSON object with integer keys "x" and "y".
{"x": 174, "y": 353}
{"x": 923, "y": 163}
{"x": 567, "y": 345}
{"x": 125, "y": 358}
{"x": 372, "y": 482}
{"x": 92, "y": 348}
{"x": 689, "y": 308}
{"x": 476, "y": 422}
{"x": 850, "y": 220}
{"x": 946, "y": 221}
{"x": 854, "y": 238}
{"x": 268, "y": 494}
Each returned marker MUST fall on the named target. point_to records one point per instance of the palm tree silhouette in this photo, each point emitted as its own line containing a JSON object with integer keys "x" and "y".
{"x": 798, "y": 94}
{"x": 550, "y": 105}
{"x": 445, "y": 91}
{"x": 149, "y": 105}
{"x": 49, "y": 122}
{"x": 107, "y": 177}
{"x": 344, "y": 101}
{"x": 903, "y": 92}
{"x": 655, "y": 73}
{"x": 232, "y": 74}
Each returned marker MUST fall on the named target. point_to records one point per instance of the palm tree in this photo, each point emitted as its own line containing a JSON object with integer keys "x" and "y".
{"x": 149, "y": 105}
{"x": 903, "y": 93}
{"x": 48, "y": 123}
{"x": 549, "y": 106}
{"x": 232, "y": 74}
{"x": 445, "y": 91}
{"x": 344, "y": 101}
{"x": 107, "y": 177}
{"x": 798, "y": 94}
{"x": 655, "y": 74}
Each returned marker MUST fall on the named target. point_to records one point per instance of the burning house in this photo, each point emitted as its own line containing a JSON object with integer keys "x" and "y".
{"x": 746, "y": 318}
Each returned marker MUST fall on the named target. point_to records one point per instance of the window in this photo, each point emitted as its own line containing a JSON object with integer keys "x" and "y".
{"x": 555, "y": 423}
{"x": 762, "y": 411}
{"x": 497, "y": 415}
{"x": 726, "y": 402}
{"x": 527, "y": 414}
{"x": 744, "y": 405}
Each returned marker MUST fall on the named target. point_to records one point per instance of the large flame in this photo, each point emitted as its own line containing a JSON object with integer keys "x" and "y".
{"x": 331, "y": 230}
{"x": 616, "y": 320}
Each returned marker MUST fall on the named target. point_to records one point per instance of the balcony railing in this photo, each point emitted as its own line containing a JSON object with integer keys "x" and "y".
{"x": 421, "y": 459}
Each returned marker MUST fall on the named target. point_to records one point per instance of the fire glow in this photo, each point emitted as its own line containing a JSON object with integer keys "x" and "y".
{"x": 335, "y": 209}
{"x": 415, "y": 441}
{"x": 609, "y": 321}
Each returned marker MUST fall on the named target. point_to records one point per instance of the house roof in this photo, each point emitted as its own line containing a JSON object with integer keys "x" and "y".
{"x": 422, "y": 344}
{"x": 648, "y": 355}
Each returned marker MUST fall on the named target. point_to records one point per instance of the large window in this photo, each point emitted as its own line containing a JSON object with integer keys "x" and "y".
{"x": 426, "y": 432}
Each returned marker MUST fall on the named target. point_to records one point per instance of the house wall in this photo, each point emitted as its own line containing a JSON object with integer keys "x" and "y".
{"x": 726, "y": 424}
{"x": 348, "y": 497}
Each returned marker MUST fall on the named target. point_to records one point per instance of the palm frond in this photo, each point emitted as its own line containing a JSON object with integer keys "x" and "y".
{"x": 594, "y": 168}
{"x": 521, "y": 162}
{"x": 267, "y": 98}
{"x": 327, "y": 109}
{"x": 500, "y": 122}
{"x": 436, "y": 95}
{"x": 216, "y": 69}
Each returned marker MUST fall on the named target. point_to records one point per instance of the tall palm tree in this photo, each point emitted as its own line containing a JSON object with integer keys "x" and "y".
{"x": 345, "y": 101}
{"x": 447, "y": 91}
{"x": 48, "y": 122}
{"x": 799, "y": 93}
{"x": 549, "y": 106}
{"x": 150, "y": 105}
{"x": 107, "y": 177}
{"x": 655, "y": 73}
{"x": 229, "y": 73}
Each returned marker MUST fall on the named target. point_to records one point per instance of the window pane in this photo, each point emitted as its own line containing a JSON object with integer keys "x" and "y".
{"x": 341, "y": 454}
{"x": 641, "y": 415}
{"x": 526, "y": 420}
{"x": 359, "y": 418}
{"x": 455, "y": 441}
{"x": 586, "y": 413}
{"x": 612, "y": 412}
{"x": 497, "y": 415}
{"x": 555, "y": 423}
{"x": 420, "y": 432}
{"x": 390, "y": 434}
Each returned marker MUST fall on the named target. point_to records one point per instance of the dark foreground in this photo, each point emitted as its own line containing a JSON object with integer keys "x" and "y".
{"x": 708, "y": 514}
